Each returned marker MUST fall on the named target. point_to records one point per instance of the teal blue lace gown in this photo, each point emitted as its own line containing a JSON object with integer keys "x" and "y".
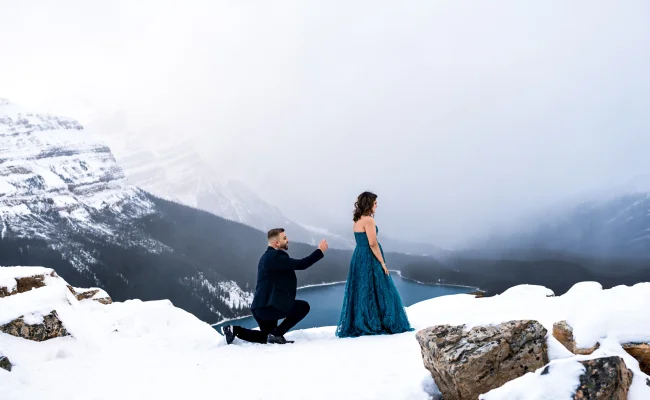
{"x": 371, "y": 303}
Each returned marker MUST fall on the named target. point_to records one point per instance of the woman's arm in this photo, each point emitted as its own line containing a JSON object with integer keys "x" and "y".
{"x": 371, "y": 231}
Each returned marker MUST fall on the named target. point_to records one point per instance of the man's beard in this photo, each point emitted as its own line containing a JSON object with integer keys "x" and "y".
{"x": 285, "y": 246}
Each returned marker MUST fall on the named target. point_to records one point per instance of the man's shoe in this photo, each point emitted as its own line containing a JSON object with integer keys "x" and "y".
{"x": 272, "y": 339}
{"x": 227, "y": 332}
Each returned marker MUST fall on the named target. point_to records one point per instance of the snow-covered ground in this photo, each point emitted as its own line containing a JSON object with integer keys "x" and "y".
{"x": 137, "y": 350}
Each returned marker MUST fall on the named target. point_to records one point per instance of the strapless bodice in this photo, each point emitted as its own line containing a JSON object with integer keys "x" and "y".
{"x": 362, "y": 237}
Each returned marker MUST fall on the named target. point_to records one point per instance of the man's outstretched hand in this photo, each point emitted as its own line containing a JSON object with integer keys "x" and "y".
{"x": 323, "y": 246}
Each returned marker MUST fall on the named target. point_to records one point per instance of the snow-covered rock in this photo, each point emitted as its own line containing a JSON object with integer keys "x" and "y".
{"x": 19, "y": 280}
{"x": 95, "y": 294}
{"x": 5, "y": 363}
{"x": 26, "y": 327}
{"x": 563, "y": 332}
{"x": 465, "y": 364}
{"x": 641, "y": 352}
{"x": 134, "y": 350}
{"x": 604, "y": 378}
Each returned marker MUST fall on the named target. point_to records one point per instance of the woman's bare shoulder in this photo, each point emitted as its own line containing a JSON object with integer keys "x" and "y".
{"x": 363, "y": 222}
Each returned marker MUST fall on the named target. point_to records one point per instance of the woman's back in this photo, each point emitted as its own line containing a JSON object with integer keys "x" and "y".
{"x": 359, "y": 228}
{"x": 361, "y": 238}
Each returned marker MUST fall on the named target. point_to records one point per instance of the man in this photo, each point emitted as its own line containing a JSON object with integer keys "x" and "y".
{"x": 275, "y": 294}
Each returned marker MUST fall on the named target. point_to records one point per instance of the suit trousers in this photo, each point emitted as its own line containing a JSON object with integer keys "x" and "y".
{"x": 267, "y": 319}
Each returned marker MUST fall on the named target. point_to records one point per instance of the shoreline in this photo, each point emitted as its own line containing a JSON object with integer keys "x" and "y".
{"x": 320, "y": 284}
{"x": 433, "y": 284}
{"x": 399, "y": 272}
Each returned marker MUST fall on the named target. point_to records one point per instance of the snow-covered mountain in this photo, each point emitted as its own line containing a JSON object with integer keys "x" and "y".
{"x": 170, "y": 167}
{"x": 57, "y": 181}
{"x": 615, "y": 224}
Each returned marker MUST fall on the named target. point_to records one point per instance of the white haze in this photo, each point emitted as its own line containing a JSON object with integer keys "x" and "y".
{"x": 461, "y": 115}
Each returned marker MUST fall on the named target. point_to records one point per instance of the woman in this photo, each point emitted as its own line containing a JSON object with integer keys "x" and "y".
{"x": 371, "y": 304}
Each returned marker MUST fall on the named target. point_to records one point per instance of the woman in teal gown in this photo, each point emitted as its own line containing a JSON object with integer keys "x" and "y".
{"x": 371, "y": 303}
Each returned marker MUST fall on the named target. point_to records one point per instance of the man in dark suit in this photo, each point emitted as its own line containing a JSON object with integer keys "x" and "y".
{"x": 275, "y": 294}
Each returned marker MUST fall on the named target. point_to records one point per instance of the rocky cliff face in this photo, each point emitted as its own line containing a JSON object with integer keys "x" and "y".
{"x": 58, "y": 181}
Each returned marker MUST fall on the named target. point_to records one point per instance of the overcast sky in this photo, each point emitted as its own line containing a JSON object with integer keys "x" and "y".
{"x": 460, "y": 114}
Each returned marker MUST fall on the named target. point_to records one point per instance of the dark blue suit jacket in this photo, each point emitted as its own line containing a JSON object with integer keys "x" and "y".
{"x": 276, "y": 278}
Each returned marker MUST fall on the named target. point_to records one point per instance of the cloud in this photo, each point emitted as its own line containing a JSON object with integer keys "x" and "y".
{"x": 460, "y": 115}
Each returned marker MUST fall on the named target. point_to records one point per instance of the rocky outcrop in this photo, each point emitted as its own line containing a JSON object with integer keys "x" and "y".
{"x": 606, "y": 378}
{"x": 5, "y": 363}
{"x": 563, "y": 332}
{"x": 478, "y": 293}
{"x": 85, "y": 294}
{"x": 25, "y": 284}
{"x": 465, "y": 364}
{"x": 641, "y": 352}
{"x": 50, "y": 328}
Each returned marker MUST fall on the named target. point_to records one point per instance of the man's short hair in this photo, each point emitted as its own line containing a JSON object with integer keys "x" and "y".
{"x": 275, "y": 232}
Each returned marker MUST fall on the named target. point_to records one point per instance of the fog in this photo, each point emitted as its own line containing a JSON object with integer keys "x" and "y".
{"x": 462, "y": 116}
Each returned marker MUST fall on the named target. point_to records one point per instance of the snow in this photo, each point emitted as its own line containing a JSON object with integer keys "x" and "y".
{"x": 8, "y": 275}
{"x": 135, "y": 350}
{"x": 5, "y": 187}
{"x": 237, "y": 298}
{"x": 561, "y": 382}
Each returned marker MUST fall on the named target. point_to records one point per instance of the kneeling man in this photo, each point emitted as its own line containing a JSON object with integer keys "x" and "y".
{"x": 275, "y": 294}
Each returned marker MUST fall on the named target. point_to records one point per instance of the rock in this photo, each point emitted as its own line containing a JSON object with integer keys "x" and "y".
{"x": 604, "y": 378}
{"x": 563, "y": 332}
{"x": 478, "y": 293}
{"x": 25, "y": 284}
{"x": 641, "y": 352}
{"x": 4, "y": 363}
{"x": 89, "y": 294}
{"x": 50, "y": 328}
{"x": 465, "y": 364}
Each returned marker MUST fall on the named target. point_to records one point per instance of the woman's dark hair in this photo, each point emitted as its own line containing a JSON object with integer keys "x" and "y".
{"x": 363, "y": 205}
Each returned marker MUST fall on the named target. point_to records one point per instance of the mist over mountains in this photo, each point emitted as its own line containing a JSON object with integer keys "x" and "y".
{"x": 66, "y": 203}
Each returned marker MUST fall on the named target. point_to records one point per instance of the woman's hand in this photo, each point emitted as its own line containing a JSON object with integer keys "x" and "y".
{"x": 385, "y": 268}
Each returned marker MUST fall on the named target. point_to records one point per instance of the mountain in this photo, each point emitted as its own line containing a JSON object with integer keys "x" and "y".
{"x": 65, "y": 203}
{"x": 613, "y": 226}
{"x": 56, "y": 182}
{"x": 170, "y": 167}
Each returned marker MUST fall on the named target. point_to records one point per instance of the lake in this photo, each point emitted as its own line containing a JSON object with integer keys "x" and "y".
{"x": 326, "y": 301}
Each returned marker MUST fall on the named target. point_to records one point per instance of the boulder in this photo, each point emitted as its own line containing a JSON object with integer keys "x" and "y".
{"x": 25, "y": 284}
{"x": 563, "y": 332}
{"x": 478, "y": 293}
{"x": 50, "y": 328}
{"x": 641, "y": 352}
{"x": 465, "y": 364}
{"x": 604, "y": 378}
{"x": 84, "y": 294}
{"x": 4, "y": 363}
